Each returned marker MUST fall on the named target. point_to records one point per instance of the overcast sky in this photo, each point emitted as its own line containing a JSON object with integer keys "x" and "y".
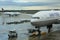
{"x": 45, "y": 3}
{"x": 36, "y": 0}
{"x": 28, "y": 1}
{"x": 32, "y": 0}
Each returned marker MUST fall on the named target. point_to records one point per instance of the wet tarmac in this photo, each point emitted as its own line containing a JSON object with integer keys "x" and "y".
{"x": 22, "y": 30}
{"x": 54, "y": 35}
{"x": 51, "y": 36}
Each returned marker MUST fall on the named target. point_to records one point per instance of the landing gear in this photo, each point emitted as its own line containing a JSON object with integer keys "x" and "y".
{"x": 38, "y": 30}
{"x": 35, "y": 32}
{"x": 49, "y": 27}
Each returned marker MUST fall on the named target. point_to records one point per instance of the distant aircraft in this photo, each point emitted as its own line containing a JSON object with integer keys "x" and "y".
{"x": 12, "y": 13}
{"x": 45, "y": 18}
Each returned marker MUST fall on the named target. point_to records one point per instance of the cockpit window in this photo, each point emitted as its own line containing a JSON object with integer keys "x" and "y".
{"x": 35, "y": 17}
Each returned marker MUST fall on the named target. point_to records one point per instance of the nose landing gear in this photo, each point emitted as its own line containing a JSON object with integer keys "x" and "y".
{"x": 38, "y": 30}
{"x": 35, "y": 32}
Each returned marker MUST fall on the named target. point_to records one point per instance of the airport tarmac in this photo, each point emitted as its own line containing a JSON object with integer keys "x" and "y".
{"x": 22, "y": 30}
{"x": 54, "y": 35}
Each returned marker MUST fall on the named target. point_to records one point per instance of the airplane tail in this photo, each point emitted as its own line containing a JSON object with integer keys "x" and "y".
{"x": 2, "y": 9}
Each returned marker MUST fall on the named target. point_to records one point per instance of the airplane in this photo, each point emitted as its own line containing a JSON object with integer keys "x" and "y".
{"x": 45, "y": 18}
{"x": 11, "y": 13}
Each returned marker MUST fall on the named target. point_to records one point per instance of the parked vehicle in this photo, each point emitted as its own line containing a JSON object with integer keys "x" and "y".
{"x": 12, "y": 33}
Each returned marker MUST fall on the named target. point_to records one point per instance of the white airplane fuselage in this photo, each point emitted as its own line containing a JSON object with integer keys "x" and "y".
{"x": 12, "y": 13}
{"x": 44, "y": 18}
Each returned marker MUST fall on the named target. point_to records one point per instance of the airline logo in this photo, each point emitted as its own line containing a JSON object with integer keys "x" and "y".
{"x": 54, "y": 14}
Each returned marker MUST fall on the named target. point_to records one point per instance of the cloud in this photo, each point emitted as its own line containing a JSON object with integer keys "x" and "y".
{"x": 6, "y": 1}
{"x": 3, "y": 0}
{"x": 39, "y": 7}
{"x": 39, "y": 2}
{"x": 36, "y": 0}
{"x": 50, "y": 3}
{"x": 30, "y": 3}
{"x": 32, "y": 0}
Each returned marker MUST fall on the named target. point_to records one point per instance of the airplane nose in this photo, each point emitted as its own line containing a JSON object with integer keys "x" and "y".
{"x": 33, "y": 21}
